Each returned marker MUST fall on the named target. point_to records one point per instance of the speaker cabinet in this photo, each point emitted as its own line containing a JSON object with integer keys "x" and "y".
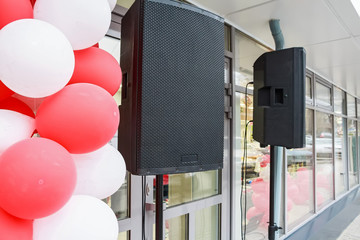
{"x": 172, "y": 109}
{"x": 279, "y": 98}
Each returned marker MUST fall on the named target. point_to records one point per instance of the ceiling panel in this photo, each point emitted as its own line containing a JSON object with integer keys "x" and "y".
{"x": 225, "y": 7}
{"x": 346, "y": 13}
{"x": 328, "y": 29}
{"x": 346, "y": 77}
{"x": 302, "y": 22}
{"x": 336, "y": 53}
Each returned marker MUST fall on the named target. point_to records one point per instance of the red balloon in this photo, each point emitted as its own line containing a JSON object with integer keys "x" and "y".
{"x": 37, "y": 178}
{"x": 13, "y": 228}
{"x": 12, "y": 10}
{"x": 96, "y": 66}
{"x": 96, "y": 45}
{"x": 5, "y": 92}
{"x": 32, "y": 2}
{"x": 16, "y": 105}
{"x": 81, "y": 117}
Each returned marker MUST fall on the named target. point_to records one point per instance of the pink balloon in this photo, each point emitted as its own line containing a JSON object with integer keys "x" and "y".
{"x": 13, "y": 228}
{"x": 37, "y": 178}
{"x": 261, "y": 201}
{"x": 252, "y": 212}
{"x": 81, "y": 117}
{"x": 292, "y": 190}
{"x": 260, "y": 187}
{"x": 96, "y": 66}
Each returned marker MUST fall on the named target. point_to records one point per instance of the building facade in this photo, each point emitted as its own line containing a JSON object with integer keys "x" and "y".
{"x": 232, "y": 203}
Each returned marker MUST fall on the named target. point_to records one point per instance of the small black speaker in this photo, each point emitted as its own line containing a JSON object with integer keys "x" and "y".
{"x": 172, "y": 109}
{"x": 279, "y": 98}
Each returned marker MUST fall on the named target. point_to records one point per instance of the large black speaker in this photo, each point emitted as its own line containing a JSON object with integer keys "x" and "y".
{"x": 279, "y": 98}
{"x": 172, "y": 109}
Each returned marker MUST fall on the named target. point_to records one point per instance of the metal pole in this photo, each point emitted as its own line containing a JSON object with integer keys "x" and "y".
{"x": 159, "y": 207}
{"x": 275, "y": 152}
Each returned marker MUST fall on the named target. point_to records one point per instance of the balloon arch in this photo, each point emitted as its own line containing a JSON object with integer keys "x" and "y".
{"x": 55, "y": 162}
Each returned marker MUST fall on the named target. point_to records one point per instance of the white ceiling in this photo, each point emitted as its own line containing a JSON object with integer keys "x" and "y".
{"x": 329, "y": 30}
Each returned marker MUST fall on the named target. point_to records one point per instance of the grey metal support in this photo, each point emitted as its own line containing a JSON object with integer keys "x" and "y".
{"x": 276, "y": 156}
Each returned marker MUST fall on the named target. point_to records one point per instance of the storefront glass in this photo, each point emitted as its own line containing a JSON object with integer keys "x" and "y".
{"x": 323, "y": 95}
{"x": 340, "y": 157}
{"x": 339, "y": 101}
{"x": 186, "y": 187}
{"x": 207, "y": 223}
{"x": 300, "y": 184}
{"x": 246, "y": 53}
{"x": 255, "y": 170}
{"x": 177, "y": 228}
{"x": 324, "y": 159}
{"x": 353, "y": 160}
{"x": 119, "y": 200}
{"x": 351, "y": 106}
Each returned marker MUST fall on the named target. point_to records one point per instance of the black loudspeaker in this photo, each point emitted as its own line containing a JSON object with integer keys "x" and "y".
{"x": 279, "y": 98}
{"x": 172, "y": 109}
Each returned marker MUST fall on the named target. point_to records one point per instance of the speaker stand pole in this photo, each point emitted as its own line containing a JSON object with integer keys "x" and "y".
{"x": 159, "y": 207}
{"x": 274, "y": 161}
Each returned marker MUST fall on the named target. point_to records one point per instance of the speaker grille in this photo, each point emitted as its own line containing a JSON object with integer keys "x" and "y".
{"x": 182, "y": 102}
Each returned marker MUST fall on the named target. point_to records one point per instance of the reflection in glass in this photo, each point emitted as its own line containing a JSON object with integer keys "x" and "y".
{"x": 123, "y": 236}
{"x": 300, "y": 165}
{"x": 340, "y": 156}
{"x": 227, "y": 33}
{"x": 323, "y": 95}
{"x": 246, "y": 53}
{"x": 324, "y": 159}
{"x": 207, "y": 223}
{"x": 353, "y": 163}
{"x": 186, "y": 187}
{"x": 339, "y": 101}
{"x": 177, "y": 228}
{"x": 256, "y": 191}
{"x": 308, "y": 88}
{"x": 119, "y": 200}
{"x": 351, "y": 106}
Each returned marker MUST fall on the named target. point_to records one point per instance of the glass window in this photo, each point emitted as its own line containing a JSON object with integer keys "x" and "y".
{"x": 125, "y": 3}
{"x": 351, "y": 106}
{"x": 123, "y": 236}
{"x": 207, "y": 223}
{"x": 186, "y": 187}
{"x": 340, "y": 156}
{"x": 227, "y": 38}
{"x": 323, "y": 95}
{"x": 253, "y": 173}
{"x": 324, "y": 159}
{"x": 353, "y": 163}
{"x": 246, "y": 53}
{"x": 177, "y": 228}
{"x": 339, "y": 101}
{"x": 300, "y": 166}
{"x": 308, "y": 85}
{"x": 119, "y": 200}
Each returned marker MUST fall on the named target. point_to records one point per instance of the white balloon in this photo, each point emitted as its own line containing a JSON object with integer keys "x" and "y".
{"x": 100, "y": 173}
{"x": 84, "y": 22}
{"x": 82, "y": 217}
{"x": 36, "y": 58}
{"x": 112, "y": 4}
{"x": 14, "y": 127}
